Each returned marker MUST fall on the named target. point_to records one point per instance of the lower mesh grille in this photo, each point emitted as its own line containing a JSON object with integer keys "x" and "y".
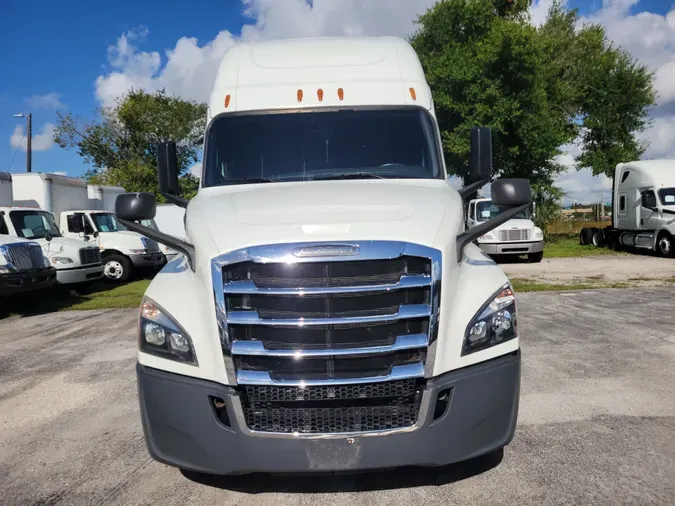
{"x": 332, "y": 409}
{"x": 90, "y": 256}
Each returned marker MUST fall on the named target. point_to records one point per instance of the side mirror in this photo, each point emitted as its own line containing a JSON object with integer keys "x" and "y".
{"x": 511, "y": 192}
{"x": 480, "y": 167}
{"x": 511, "y": 196}
{"x": 167, "y": 167}
{"x": 49, "y": 236}
{"x": 480, "y": 164}
{"x": 135, "y": 206}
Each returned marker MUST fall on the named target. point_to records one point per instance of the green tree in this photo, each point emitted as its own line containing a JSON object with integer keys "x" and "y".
{"x": 538, "y": 88}
{"x": 120, "y": 143}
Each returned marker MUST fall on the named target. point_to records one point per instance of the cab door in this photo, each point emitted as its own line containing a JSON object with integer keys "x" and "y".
{"x": 649, "y": 214}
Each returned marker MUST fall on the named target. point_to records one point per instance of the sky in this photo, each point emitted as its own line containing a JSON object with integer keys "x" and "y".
{"x": 73, "y": 56}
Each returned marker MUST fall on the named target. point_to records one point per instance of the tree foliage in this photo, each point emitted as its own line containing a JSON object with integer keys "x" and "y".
{"x": 539, "y": 88}
{"x": 120, "y": 144}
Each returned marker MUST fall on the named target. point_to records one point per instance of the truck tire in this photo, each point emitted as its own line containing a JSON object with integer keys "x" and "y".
{"x": 598, "y": 238}
{"x": 116, "y": 268}
{"x": 535, "y": 258}
{"x": 585, "y": 236}
{"x": 664, "y": 245}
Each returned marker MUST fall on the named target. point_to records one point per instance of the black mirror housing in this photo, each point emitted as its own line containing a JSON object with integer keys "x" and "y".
{"x": 480, "y": 167}
{"x": 167, "y": 167}
{"x": 511, "y": 192}
{"x": 135, "y": 206}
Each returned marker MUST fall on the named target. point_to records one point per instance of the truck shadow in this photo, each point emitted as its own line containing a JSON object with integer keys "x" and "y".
{"x": 328, "y": 483}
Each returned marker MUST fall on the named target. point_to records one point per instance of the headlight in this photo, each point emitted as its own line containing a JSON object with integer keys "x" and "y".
{"x": 538, "y": 234}
{"x": 62, "y": 260}
{"x": 487, "y": 237}
{"x": 139, "y": 251}
{"x": 494, "y": 324}
{"x": 160, "y": 335}
{"x": 7, "y": 268}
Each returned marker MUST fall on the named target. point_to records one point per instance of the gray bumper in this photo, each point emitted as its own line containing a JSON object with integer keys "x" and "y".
{"x": 19, "y": 282}
{"x": 512, "y": 248}
{"x": 149, "y": 260}
{"x": 181, "y": 428}
{"x": 79, "y": 274}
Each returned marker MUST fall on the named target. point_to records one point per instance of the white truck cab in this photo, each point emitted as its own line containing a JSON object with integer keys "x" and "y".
{"x": 23, "y": 266}
{"x": 643, "y": 208}
{"x": 74, "y": 262}
{"x": 329, "y": 310}
{"x": 518, "y": 236}
{"x": 85, "y": 215}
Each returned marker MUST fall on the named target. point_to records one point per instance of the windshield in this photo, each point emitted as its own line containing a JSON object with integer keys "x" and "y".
{"x": 33, "y": 224}
{"x": 667, "y": 196}
{"x": 361, "y": 144}
{"x": 106, "y": 222}
{"x": 486, "y": 211}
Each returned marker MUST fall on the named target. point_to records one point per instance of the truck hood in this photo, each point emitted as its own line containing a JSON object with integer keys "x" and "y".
{"x": 235, "y": 217}
{"x": 517, "y": 224}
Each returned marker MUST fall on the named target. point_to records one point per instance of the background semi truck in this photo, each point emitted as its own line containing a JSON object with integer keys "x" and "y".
{"x": 74, "y": 261}
{"x": 330, "y": 310}
{"x": 85, "y": 215}
{"x": 643, "y": 209}
{"x": 518, "y": 236}
{"x": 23, "y": 266}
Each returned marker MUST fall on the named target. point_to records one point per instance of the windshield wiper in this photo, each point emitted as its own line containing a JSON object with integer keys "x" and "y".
{"x": 252, "y": 180}
{"x": 352, "y": 175}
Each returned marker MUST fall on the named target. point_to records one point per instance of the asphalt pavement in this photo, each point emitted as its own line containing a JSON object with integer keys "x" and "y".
{"x": 596, "y": 424}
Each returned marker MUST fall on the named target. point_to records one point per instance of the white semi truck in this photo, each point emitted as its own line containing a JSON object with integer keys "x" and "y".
{"x": 643, "y": 209}
{"x": 329, "y": 310}
{"x": 75, "y": 263}
{"x": 518, "y": 236}
{"x": 85, "y": 215}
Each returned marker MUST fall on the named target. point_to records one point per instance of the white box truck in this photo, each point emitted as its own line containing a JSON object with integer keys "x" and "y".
{"x": 330, "y": 310}
{"x": 518, "y": 236}
{"x": 23, "y": 266}
{"x": 643, "y": 209}
{"x": 75, "y": 262}
{"x": 81, "y": 217}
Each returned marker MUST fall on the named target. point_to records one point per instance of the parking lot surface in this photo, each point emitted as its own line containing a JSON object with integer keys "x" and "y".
{"x": 596, "y": 425}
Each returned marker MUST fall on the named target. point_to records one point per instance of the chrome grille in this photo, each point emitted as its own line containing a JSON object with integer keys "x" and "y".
{"x": 370, "y": 318}
{"x": 514, "y": 235}
{"x": 25, "y": 257}
{"x": 90, "y": 256}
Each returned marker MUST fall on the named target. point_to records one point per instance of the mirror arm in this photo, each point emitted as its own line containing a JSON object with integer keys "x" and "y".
{"x": 468, "y": 190}
{"x": 474, "y": 233}
{"x": 173, "y": 242}
{"x": 175, "y": 199}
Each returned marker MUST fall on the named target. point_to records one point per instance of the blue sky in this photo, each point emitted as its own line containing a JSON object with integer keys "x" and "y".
{"x": 60, "y": 49}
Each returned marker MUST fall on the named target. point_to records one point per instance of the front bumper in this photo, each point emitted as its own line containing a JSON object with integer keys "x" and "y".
{"x": 148, "y": 260}
{"x": 26, "y": 281}
{"x": 79, "y": 274}
{"x": 512, "y": 248}
{"x": 181, "y": 428}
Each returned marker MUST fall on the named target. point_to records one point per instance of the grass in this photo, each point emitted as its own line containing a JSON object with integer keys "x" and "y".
{"x": 100, "y": 295}
{"x": 566, "y": 247}
{"x": 526, "y": 285}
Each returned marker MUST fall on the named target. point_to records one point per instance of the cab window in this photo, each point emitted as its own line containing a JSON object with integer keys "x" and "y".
{"x": 649, "y": 199}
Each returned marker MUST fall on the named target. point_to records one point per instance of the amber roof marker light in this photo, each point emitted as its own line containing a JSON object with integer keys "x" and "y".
{"x": 299, "y": 95}
{"x": 413, "y": 94}
{"x": 341, "y": 94}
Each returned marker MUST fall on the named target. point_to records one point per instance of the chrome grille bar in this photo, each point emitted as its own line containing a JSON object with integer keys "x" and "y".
{"x": 398, "y": 372}
{"x": 248, "y": 287}
{"x": 258, "y": 348}
{"x": 252, "y": 318}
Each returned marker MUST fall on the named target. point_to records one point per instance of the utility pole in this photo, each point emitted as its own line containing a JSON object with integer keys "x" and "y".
{"x": 29, "y": 138}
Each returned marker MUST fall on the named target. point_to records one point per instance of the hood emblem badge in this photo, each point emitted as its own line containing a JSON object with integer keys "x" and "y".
{"x": 326, "y": 250}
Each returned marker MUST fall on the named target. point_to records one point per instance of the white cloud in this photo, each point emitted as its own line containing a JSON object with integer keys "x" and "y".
{"x": 40, "y": 142}
{"x": 189, "y": 68}
{"x": 538, "y": 11}
{"x": 196, "y": 170}
{"x": 49, "y": 101}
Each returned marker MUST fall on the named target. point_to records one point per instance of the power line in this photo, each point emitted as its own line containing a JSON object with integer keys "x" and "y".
{"x": 16, "y": 151}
